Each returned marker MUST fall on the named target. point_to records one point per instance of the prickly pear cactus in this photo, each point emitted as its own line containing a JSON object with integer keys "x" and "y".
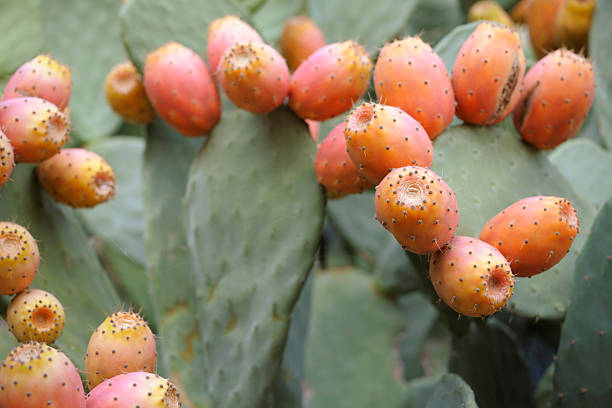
{"x": 24, "y": 40}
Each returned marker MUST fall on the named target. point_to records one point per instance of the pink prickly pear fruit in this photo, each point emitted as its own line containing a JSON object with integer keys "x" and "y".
{"x": 35, "y": 375}
{"x": 223, "y": 33}
{"x": 43, "y": 77}
{"x": 334, "y": 168}
{"x": 181, "y": 89}
{"x": 122, "y": 343}
{"x": 314, "y": 127}
{"x": 77, "y": 177}
{"x": 126, "y": 95}
{"x": 35, "y": 315}
{"x": 471, "y": 276}
{"x": 534, "y": 233}
{"x": 418, "y": 208}
{"x": 380, "y": 138}
{"x": 19, "y": 258}
{"x": 36, "y": 128}
{"x": 7, "y": 158}
{"x": 137, "y": 389}
{"x": 254, "y": 76}
{"x": 330, "y": 81}
{"x": 557, "y": 95}
{"x": 300, "y": 38}
{"x": 410, "y": 75}
{"x": 487, "y": 74}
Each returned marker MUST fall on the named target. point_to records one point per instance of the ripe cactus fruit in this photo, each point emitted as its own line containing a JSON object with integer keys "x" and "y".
{"x": 573, "y": 23}
{"x": 35, "y": 315}
{"x": 254, "y": 76}
{"x": 520, "y": 10}
{"x": 411, "y": 76}
{"x": 36, "y": 128}
{"x": 7, "y": 158}
{"x": 557, "y": 95}
{"x": 122, "y": 343}
{"x": 137, "y": 389}
{"x": 223, "y": 33}
{"x": 540, "y": 18}
{"x": 125, "y": 93}
{"x": 35, "y": 375}
{"x": 335, "y": 169}
{"x": 300, "y": 38}
{"x": 489, "y": 10}
{"x": 19, "y": 258}
{"x": 43, "y": 77}
{"x": 181, "y": 89}
{"x": 487, "y": 74}
{"x": 77, "y": 177}
{"x": 534, "y": 233}
{"x": 471, "y": 276}
{"x": 418, "y": 208}
{"x": 330, "y": 81}
{"x": 380, "y": 138}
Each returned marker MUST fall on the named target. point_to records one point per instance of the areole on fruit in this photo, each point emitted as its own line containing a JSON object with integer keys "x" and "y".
{"x": 35, "y": 315}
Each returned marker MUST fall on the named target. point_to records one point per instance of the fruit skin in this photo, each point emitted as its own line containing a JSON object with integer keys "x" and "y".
{"x": 181, "y": 89}
{"x": 487, "y": 74}
{"x": 330, "y": 81}
{"x": 254, "y": 76}
{"x": 43, "y": 77}
{"x": 300, "y": 38}
{"x": 471, "y": 276}
{"x": 380, "y": 138}
{"x": 126, "y": 95}
{"x": 334, "y": 168}
{"x": 7, "y": 158}
{"x": 35, "y": 315}
{"x": 19, "y": 258}
{"x": 314, "y": 128}
{"x": 418, "y": 208}
{"x": 534, "y": 233}
{"x": 137, "y": 389}
{"x": 520, "y": 10}
{"x": 223, "y": 33}
{"x": 36, "y": 128}
{"x": 410, "y": 75}
{"x": 491, "y": 11}
{"x": 573, "y": 23}
{"x": 77, "y": 177}
{"x": 35, "y": 375}
{"x": 122, "y": 343}
{"x": 557, "y": 95}
{"x": 540, "y": 18}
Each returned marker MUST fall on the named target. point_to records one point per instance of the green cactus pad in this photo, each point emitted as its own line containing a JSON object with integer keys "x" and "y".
{"x": 433, "y": 19}
{"x": 7, "y": 340}
{"x": 544, "y": 392}
{"x": 582, "y": 376}
{"x": 255, "y": 213}
{"x": 452, "y": 391}
{"x": 270, "y": 18}
{"x": 22, "y": 36}
{"x": 600, "y": 49}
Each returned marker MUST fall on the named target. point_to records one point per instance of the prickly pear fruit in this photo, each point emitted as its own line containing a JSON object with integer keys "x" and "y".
{"x": 491, "y": 11}
{"x": 7, "y": 158}
{"x": 223, "y": 33}
{"x": 380, "y": 138}
{"x": 43, "y": 77}
{"x": 411, "y": 76}
{"x": 77, "y": 177}
{"x": 557, "y": 95}
{"x": 181, "y": 89}
{"x": 125, "y": 93}
{"x": 519, "y": 11}
{"x": 35, "y": 315}
{"x": 330, "y": 81}
{"x": 19, "y": 258}
{"x": 534, "y": 233}
{"x": 334, "y": 168}
{"x": 314, "y": 127}
{"x": 540, "y": 18}
{"x": 35, "y": 375}
{"x": 487, "y": 74}
{"x": 300, "y": 38}
{"x": 418, "y": 208}
{"x": 138, "y": 389}
{"x": 122, "y": 343}
{"x": 36, "y": 128}
{"x": 254, "y": 76}
{"x": 573, "y": 23}
{"x": 471, "y": 276}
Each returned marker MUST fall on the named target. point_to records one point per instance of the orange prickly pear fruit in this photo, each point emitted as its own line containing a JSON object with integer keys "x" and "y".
{"x": 223, "y": 33}
{"x": 471, "y": 276}
{"x": 126, "y": 95}
{"x": 330, "y": 81}
{"x": 557, "y": 95}
{"x": 380, "y": 138}
{"x": 7, "y": 158}
{"x": 541, "y": 20}
{"x": 487, "y": 74}
{"x": 519, "y": 11}
{"x": 573, "y": 23}
{"x": 300, "y": 38}
{"x": 410, "y": 75}
{"x": 35, "y": 315}
{"x": 418, "y": 208}
{"x": 19, "y": 258}
{"x": 534, "y": 233}
{"x": 491, "y": 11}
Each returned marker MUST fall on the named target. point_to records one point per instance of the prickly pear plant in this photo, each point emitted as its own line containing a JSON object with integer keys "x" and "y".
{"x": 223, "y": 34}
{"x": 126, "y": 94}
{"x": 300, "y": 38}
{"x": 36, "y": 315}
{"x": 7, "y": 158}
{"x": 19, "y": 258}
